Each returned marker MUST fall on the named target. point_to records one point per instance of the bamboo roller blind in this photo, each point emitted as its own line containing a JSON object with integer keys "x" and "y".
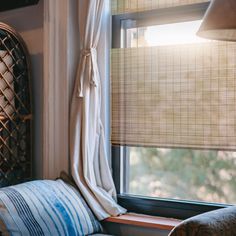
{"x": 125, "y": 6}
{"x": 175, "y": 96}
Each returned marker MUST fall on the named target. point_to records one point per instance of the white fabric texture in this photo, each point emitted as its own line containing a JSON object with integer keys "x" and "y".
{"x": 89, "y": 162}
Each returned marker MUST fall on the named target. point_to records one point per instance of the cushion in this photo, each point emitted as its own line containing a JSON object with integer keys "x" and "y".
{"x": 218, "y": 223}
{"x": 45, "y": 207}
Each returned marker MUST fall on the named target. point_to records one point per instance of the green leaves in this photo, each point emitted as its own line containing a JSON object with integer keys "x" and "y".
{"x": 202, "y": 175}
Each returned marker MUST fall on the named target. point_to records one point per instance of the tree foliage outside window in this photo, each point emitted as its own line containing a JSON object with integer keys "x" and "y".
{"x": 200, "y": 175}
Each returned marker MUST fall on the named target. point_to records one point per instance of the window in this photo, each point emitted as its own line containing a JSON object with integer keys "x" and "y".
{"x": 173, "y": 110}
{"x": 180, "y": 33}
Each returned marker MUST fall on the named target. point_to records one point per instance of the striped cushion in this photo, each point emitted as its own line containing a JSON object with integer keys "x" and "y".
{"x": 45, "y": 208}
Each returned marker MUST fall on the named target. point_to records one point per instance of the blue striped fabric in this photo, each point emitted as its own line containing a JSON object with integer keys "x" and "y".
{"x": 45, "y": 207}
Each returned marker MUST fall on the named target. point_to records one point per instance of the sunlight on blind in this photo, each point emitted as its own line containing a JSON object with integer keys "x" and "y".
{"x": 125, "y": 6}
{"x": 175, "y": 96}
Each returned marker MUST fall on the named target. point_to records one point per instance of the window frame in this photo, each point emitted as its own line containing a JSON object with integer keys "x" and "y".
{"x": 180, "y": 209}
{"x": 156, "y": 17}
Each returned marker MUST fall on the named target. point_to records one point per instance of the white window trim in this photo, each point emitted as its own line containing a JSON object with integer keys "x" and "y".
{"x": 59, "y": 64}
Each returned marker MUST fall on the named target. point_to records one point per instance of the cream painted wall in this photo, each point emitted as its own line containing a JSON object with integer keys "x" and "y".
{"x": 28, "y": 22}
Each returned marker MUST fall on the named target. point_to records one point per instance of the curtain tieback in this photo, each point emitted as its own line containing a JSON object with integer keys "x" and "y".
{"x": 88, "y": 54}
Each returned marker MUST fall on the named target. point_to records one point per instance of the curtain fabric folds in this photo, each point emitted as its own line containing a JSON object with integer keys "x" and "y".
{"x": 89, "y": 163}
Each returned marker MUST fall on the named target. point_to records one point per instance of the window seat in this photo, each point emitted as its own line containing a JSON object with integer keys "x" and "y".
{"x": 144, "y": 221}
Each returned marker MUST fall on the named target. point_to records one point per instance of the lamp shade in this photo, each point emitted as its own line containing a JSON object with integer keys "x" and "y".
{"x": 219, "y": 22}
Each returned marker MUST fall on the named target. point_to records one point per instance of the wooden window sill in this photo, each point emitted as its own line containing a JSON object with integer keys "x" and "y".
{"x": 144, "y": 221}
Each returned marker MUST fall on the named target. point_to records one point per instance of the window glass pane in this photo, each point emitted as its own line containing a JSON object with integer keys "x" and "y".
{"x": 199, "y": 175}
{"x": 161, "y": 35}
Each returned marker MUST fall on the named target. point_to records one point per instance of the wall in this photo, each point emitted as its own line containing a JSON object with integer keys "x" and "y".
{"x": 28, "y": 22}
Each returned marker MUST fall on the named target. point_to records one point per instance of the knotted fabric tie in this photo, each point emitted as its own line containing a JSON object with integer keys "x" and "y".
{"x": 88, "y": 58}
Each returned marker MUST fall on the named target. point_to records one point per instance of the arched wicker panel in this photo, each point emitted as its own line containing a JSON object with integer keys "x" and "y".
{"x": 15, "y": 109}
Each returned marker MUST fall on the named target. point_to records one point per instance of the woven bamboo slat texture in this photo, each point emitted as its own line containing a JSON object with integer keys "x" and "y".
{"x": 175, "y": 96}
{"x": 129, "y": 6}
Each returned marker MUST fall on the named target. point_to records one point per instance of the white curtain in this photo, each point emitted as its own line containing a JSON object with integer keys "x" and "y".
{"x": 89, "y": 162}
